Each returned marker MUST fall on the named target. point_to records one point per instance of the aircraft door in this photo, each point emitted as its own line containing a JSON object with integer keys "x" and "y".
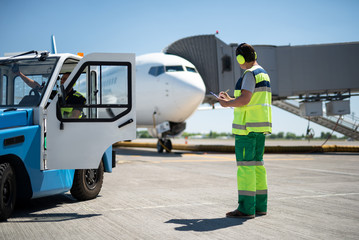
{"x": 95, "y": 109}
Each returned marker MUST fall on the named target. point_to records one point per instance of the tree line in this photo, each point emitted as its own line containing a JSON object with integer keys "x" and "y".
{"x": 280, "y": 135}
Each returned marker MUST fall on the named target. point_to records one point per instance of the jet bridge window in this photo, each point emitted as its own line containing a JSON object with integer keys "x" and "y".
{"x": 99, "y": 92}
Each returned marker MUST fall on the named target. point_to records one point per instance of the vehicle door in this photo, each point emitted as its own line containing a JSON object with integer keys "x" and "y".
{"x": 94, "y": 109}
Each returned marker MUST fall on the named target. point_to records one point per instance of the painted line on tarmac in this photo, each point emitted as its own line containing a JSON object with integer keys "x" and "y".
{"x": 319, "y": 196}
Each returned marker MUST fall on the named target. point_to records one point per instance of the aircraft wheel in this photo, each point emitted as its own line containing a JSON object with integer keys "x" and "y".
{"x": 168, "y": 145}
{"x": 7, "y": 191}
{"x": 160, "y": 146}
{"x": 87, "y": 183}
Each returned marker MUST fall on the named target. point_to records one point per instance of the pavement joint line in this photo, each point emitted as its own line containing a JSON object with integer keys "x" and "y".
{"x": 317, "y": 196}
{"x": 214, "y": 159}
{"x": 162, "y": 206}
{"x": 325, "y": 171}
{"x": 265, "y": 158}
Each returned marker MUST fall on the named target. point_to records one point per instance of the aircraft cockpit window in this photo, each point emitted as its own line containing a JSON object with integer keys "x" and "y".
{"x": 174, "y": 69}
{"x": 155, "y": 71}
{"x": 191, "y": 69}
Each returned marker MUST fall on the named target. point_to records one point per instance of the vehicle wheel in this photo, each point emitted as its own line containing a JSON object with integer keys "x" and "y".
{"x": 168, "y": 145}
{"x": 159, "y": 146}
{"x": 7, "y": 191}
{"x": 87, "y": 183}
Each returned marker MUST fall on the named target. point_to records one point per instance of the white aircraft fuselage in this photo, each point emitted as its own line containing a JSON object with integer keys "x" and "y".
{"x": 168, "y": 88}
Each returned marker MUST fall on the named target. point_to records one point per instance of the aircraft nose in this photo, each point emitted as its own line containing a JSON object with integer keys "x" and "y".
{"x": 187, "y": 92}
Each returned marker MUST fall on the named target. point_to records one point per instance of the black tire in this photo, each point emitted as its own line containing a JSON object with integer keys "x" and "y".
{"x": 160, "y": 146}
{"x": 168, "y": 145}
{"x": 87, "y": 183}
{"x": 7, "y": 191}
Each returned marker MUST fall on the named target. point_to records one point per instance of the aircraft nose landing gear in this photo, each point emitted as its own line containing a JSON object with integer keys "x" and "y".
{"x": 164, "y": 144}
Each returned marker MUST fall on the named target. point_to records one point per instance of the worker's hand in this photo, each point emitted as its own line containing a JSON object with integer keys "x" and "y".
{"x": 224, "y": 95}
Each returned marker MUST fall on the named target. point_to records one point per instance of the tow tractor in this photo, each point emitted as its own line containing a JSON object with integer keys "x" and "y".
{"x": 45, "y": 152}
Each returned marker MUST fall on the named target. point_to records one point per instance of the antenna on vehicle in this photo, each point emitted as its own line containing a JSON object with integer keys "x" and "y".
{"x": 53, "y": 45}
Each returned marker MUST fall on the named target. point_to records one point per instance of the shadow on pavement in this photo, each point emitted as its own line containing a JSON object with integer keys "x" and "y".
{"x": 31, "y": 211}
{"x": 206, "y": 225}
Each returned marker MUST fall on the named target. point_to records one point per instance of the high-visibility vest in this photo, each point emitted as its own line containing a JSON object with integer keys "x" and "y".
{"x": 256, "y": 116}
{"x": 67, "y": 111}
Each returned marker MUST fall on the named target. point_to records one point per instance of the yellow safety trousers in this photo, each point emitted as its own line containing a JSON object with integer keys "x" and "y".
{"x": 251, "y": 173}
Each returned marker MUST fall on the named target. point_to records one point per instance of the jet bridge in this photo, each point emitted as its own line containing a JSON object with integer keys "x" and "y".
{"x": 309, "y": 73}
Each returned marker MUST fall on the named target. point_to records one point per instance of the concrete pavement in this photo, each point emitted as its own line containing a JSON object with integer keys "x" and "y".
{"x": 185, "y": 195}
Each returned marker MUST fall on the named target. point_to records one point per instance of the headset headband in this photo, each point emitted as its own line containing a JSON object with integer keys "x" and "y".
{"x": 240, "y": 56}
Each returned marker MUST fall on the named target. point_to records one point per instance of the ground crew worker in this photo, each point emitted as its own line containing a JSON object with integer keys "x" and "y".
{"x": 72, "y": 98}
{"x": 252, "y": 120}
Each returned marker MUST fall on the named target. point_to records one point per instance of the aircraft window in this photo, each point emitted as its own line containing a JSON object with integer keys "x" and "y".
{"x": 191, "y": 69}
{"x": 174, "y": 69}
{"x": 155, "y": 71}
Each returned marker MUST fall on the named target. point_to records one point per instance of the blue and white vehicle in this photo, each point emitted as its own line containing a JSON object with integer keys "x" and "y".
{"x": 42, "y": 152}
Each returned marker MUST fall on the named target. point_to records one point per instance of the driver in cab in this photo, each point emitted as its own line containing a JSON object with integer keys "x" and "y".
{"x": 72, "y": 97}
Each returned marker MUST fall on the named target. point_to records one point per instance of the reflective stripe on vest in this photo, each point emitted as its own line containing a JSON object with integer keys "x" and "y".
{"x": 256, "y": 116}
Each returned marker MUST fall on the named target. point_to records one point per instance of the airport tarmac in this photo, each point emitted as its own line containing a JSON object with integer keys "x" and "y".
{"x": 185, "y": 195}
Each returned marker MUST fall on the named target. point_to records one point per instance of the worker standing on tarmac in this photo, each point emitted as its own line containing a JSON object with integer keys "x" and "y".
{"x": 252, "y": 120}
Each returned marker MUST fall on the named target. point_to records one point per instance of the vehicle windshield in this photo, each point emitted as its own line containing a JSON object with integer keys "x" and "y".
{"x": 24, "y": 81}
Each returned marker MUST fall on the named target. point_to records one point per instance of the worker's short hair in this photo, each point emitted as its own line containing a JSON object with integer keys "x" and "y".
{"x": 247, "y": 51}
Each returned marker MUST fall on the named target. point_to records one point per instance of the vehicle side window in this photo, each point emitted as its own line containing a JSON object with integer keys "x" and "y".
{"x": 100, "y": 92}
{"x": 3, "y": 90}
{"x": 21, "y": 89}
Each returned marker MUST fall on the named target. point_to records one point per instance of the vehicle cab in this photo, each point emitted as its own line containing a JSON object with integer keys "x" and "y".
{"x": 45, "y": 147}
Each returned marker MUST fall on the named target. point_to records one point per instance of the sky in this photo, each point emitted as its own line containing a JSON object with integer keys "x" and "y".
{"x": 141, "y": 27}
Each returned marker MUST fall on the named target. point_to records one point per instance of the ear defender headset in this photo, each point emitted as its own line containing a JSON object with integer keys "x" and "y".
{"x": 240, "y": 55}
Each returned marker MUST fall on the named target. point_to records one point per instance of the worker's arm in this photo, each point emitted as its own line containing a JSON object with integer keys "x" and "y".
{"x": 75, "y": 114}
{"x": 31, "y": 83}
{"x": 240, "y": 101}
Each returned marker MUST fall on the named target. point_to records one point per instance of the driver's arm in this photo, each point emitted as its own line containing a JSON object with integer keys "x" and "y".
{"x": 31, "y": 83}
{"x": 75, "y": 114}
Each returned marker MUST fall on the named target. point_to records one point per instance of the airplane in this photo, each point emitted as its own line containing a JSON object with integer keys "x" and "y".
{"x": 169, "y": 90}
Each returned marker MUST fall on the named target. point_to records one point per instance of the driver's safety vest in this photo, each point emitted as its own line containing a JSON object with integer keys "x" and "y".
{"x": 66, "y": 112}
{"x": 256, "y": 116}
